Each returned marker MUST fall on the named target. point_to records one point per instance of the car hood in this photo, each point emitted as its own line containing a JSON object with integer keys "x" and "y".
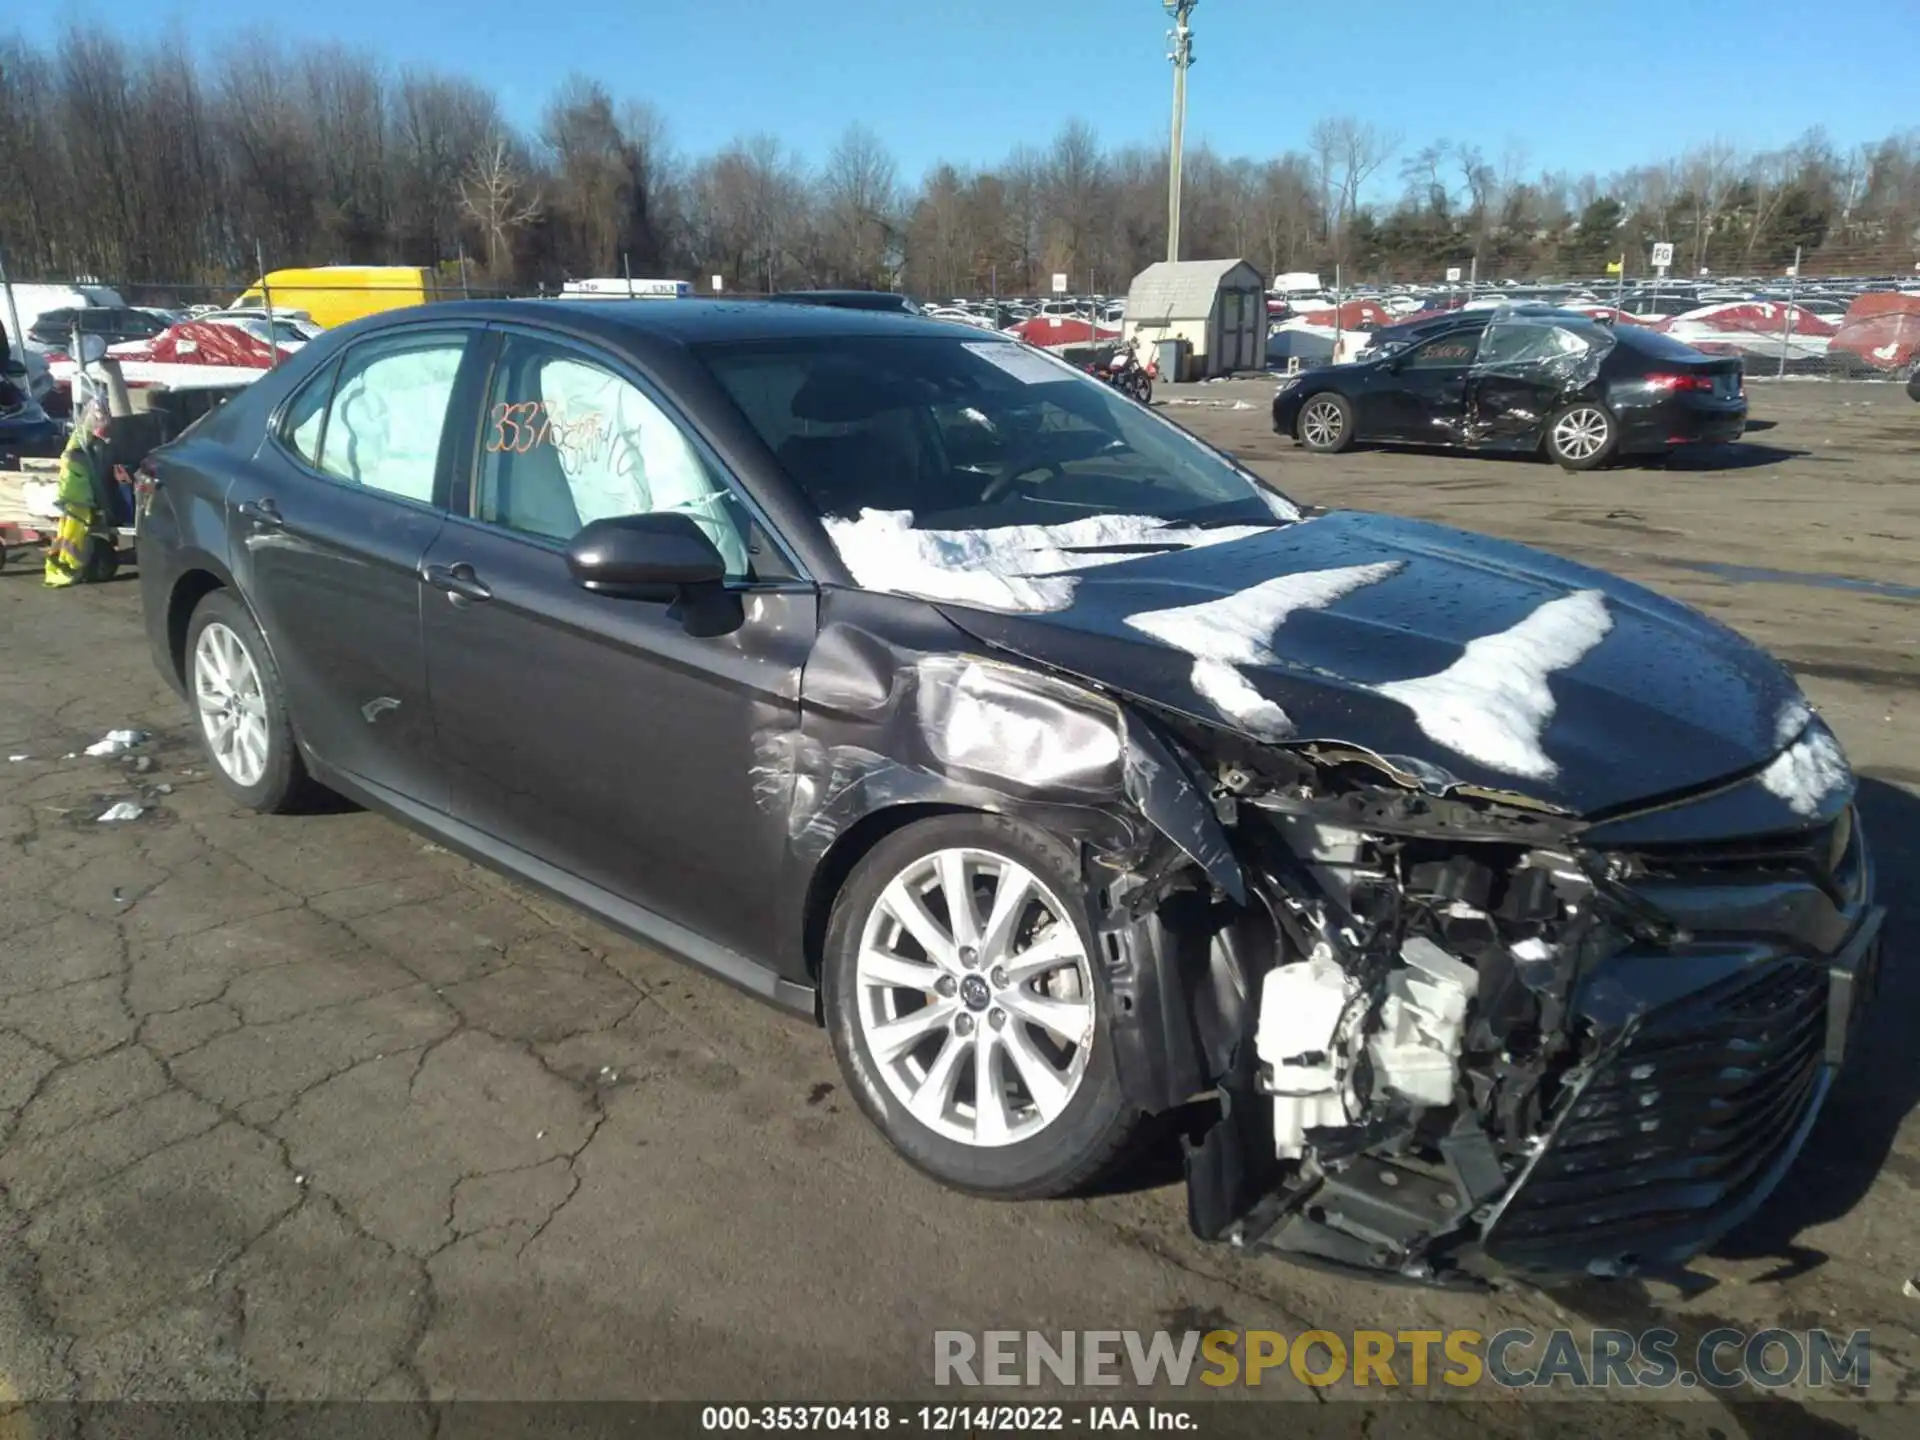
{"x": 1463, "y": 658}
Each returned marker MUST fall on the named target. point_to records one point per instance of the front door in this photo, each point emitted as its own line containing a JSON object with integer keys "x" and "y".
{"x": 328, "y": 531}
{"x": 1425, "y": 398}
{"x": 599, "y": 734}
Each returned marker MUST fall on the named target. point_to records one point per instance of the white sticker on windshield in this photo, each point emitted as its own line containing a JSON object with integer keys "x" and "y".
{"x": 1022, "y": 362}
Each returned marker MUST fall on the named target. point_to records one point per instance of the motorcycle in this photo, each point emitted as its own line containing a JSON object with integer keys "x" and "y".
{"x": 1122, "y": 370}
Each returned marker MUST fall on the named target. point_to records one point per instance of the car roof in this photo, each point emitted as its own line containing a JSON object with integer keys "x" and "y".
{"x": 686, "y": 322}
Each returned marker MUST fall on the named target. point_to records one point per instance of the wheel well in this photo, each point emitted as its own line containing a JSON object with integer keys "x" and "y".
{"x": 830, "y": 875}
{"x": 188, "y": 592}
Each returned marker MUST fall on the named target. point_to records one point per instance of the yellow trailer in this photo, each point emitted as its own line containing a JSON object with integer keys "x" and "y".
{"x": 334, "y": 294}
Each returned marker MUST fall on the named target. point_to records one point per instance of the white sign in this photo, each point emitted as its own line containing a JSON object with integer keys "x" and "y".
{"x": 719, "y": 283}
{"x": 1453, "y": 274}
{"x": 1059, "y": 284}
{"x": 1663, "y": 255}
{"x": 1793, "y": 270}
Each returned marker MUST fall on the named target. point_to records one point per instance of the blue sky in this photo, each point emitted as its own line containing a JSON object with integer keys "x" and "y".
{"x": 1580, "y": 85}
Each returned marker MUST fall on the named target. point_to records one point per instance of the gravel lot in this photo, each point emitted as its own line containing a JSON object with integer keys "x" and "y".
{"x": 308, "y": 1108}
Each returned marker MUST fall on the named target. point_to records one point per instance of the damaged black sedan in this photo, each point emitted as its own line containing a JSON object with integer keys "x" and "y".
{"x": 1474, "y": 911}
{"x": 1523, "y": 382}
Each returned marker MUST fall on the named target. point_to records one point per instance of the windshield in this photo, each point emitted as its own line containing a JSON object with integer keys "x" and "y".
{"x": 973, "y": 434}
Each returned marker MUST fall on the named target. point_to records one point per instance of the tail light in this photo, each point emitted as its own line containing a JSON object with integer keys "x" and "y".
{"x": 146, "y": 480}
{"x": 1682, "y": 382}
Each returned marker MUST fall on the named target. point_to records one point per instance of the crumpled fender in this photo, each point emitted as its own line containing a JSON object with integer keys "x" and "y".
{"x": 884, "y": 725}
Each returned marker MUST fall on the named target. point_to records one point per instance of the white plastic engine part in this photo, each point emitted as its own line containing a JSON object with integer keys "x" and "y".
{"x": 1298, "y": 1037}
{"x": 1418, "y": 1042}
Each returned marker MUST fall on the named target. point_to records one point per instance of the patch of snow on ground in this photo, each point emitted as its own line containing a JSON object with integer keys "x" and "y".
{"x": 1806, "y": 772}
{"x": 1010, "y": 567}
{"x": 1494, "y": 702}
{"x": 1239, "y": 629}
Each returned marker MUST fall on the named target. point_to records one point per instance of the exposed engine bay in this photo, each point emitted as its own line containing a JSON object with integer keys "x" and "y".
{"x": 1438, "y": 1014}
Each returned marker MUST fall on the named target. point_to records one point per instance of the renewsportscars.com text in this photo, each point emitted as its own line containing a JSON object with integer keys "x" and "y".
{"x": 1513, "y": 1359}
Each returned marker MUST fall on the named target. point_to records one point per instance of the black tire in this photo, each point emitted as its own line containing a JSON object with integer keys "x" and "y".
{"x": 103, "y": 560}
{"x": 1582, "y": 436}
{"x": 1143, "y": 388}
{"x": 284, "y": 785}
{"x": 1325, "y": 423}
{"x": 1096, "y": 1124}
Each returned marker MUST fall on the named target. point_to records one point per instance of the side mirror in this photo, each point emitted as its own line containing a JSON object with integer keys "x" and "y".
{"x": 644, "y": 557}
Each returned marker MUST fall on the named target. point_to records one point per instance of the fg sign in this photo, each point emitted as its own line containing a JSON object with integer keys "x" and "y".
{"x": 1662, "y": 255}
{"x": 1059, "y": 284}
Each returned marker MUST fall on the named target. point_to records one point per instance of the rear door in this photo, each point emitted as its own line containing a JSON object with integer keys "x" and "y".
{"x": 599, "y": 734}
{"x": 1424, "y": 399}
{"x": 328, "y": 531}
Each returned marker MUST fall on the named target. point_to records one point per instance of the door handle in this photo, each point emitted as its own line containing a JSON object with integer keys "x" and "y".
{"x": 263, "y": 513}
{"x": 459, "y": 582}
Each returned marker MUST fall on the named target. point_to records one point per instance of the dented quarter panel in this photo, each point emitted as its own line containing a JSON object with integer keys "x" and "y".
{"x": 1660, "y": 669}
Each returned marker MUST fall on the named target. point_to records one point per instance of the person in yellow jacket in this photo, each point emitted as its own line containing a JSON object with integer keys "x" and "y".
{"x": 79, "y": 500}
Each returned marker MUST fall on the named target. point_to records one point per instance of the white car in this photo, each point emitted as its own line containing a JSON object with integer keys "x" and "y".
{"x": 289, "y": 332}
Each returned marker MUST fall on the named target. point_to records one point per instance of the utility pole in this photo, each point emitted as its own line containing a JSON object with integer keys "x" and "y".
{"x": 1181, "y": 38}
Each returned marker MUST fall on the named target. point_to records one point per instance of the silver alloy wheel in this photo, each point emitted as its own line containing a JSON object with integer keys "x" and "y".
{"x": 975, "y": 997}
{"x": 233, "y": 711}
{"x": 1580, "y": 433}
{"x": 1321, "y": 423}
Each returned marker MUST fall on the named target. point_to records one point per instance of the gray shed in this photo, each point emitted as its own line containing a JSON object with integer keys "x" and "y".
{"x": 1219, "y": 307}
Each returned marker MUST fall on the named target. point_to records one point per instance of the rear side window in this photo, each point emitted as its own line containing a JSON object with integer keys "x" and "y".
{"x": 304, "y": 424}
{"x": 387, "y": 414}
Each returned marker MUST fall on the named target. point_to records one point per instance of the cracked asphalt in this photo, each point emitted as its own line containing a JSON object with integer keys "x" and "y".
{"x": 308, "y": 1108}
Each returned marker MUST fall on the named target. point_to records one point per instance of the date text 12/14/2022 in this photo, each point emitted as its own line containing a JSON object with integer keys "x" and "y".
{"x": 948, "y": 1419}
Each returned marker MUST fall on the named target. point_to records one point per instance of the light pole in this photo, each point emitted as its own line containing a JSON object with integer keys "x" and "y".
{"x": 1181, "y": 39}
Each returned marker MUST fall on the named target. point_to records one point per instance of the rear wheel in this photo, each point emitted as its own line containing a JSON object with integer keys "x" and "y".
{"x": 1326, "y": 423}
{"x": 242, "y": 710}
{"x": 103, "y": 560}
{"x": 1581, "y": 436}
{"x": 959, "y": 989}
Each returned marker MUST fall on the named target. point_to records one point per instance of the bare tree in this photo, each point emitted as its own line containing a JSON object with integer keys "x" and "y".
{"x": 859, "y": 203}
{"x": 491, "y": 195}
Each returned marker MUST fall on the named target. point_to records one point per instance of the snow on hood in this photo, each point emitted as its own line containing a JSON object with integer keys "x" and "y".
{"x": 1239, "y": 629}
{"x": 1009, "y": 567}
{"x": 1493, "y": 703}
{"x": 1811, "y": 768}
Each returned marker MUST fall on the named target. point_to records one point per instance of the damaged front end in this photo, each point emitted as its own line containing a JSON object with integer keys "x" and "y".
{"x": 1419, "y": 1027}
{"x": 1453, "y": 1036}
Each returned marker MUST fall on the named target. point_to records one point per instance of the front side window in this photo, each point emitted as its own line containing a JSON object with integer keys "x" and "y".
{"x": 961, "y": 433}
{"x": 388, "y": 412}
{"x": 566, "y": 442}
{"x": 1445, "y": 352}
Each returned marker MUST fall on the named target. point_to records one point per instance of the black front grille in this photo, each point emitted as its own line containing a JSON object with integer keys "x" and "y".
{"x": 1815, "y": 853}
{"x": 1681, "y": 1120}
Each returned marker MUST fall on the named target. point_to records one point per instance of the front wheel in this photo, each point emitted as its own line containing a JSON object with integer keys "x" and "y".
{"x": 1326, "y": 424}
{"x": 242, "y": 709}
{"x": 960, "y": 994}
{"x": 1581, "y": 436}
{"x": 1143, "y": 388}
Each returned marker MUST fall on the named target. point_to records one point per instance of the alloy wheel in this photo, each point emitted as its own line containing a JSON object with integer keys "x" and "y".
{"x": 233, "y": 709}
{"x": 1581, "y": 433}
{"x": 1321, "y": 423}
{"x": 975, "y": 997}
